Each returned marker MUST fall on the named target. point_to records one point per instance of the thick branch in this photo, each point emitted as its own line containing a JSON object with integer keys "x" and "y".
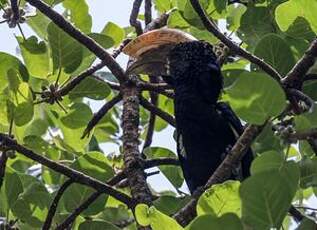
{"x": 75, "y": 175}
{"x": 101, "y": 113}
{"x": 134, "y": 17}
{"x": 53, "y": 207}
{"x": 153, "y": 109}
{"x": 130, "y": 125}
{"x": 209, "y": 25}
{"x": 86, "y": 41}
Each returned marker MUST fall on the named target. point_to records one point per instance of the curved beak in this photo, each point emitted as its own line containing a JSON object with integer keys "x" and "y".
{"x": 149, "y": 51}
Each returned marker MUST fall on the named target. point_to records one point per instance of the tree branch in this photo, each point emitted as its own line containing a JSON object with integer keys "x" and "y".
{"x": 86, "y": 41}
{"x": 76, "y": 80}
{"x": 113, "y": 181}
{"x": 100, "y": 114}
{"x": 134, "y": 17}
{"x": 130, "y": 125}
{"x": 148, "y": 11}
{"x": 153, "y": 109}
{"x": 210, "y": 26}
{"x": 51, "y": 212}
{"x": 76, "y": 176}
{"x": 3, "y": 163}
{"x": 296, "y": 76}
{"x": 158, "y": 22}
{"x": 151, "y": 125}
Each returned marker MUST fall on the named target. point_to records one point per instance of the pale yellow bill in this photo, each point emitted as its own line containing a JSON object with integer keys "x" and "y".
{"x": 154, "y": 39}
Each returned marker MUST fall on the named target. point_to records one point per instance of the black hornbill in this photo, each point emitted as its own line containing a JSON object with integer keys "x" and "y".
{"x": 205, "y": 127}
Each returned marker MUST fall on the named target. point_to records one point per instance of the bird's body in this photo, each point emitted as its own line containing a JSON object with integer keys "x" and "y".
{"x": 206, "y": 128}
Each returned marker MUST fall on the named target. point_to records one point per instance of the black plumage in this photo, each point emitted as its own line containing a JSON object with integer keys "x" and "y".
{"x": 205, "y": 127}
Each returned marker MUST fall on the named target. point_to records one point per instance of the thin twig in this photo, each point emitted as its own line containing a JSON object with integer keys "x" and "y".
{"x": 134, "y": 17}
{"x": 162, "y": 114}
{"x": 151, "y": 124}
{"x": 76, "y": 176}
{"x": 86, "y": 41}
{"x": 76, "y": 80}
{"x": 100, "y": 114}
{"x": 52, "y": 210}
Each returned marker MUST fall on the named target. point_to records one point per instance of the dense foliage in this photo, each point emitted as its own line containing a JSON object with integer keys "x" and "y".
{"x": 283, "y": 173}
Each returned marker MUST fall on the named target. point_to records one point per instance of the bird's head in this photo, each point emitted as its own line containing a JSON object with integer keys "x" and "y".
{"x": 171, "y": 53}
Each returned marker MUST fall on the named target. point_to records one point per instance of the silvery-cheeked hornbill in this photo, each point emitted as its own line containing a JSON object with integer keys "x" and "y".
{"x": 205, "y": 127}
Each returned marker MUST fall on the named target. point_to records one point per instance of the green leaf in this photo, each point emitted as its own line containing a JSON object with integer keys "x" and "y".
{"x": 12, "y": 188}
{"x": 79, "y": 14}
{"x": 309, "y": 88}
{"x": 169, "y": 204}
{"x": 150, "y": 215}
{"x": 115, "y": 32}
{"x": 32, "y": 206}
{"x": 267, "y": 161}
{"x": 78, "y": 116}
{"x": 220, "y": 199}
{"x": 275, "y": 51}
{"x": 67, "y": 53}
{"x": 267, "y": 194}
{"x": 173, "y": 173}
{"x": 301, "y": 29}
{"x": 93, "y": 164}
{"x": 254, "y": 24}
{"x": 24, "y": 110}
{"x": 97, "y": 224}
{"x": 308, "y": 171}
{"x": 306, "y": 121}
{"x": 220, "y": 5}
{"x": 35, "y": 56}
{"x": 257, "y": 103}
{"x": 91, "y": 88}
{"x": 176, "y": 20}
{"x": 104, "y": 40}
{"x": 307, "y": 223}
{"x": 162, "y": 5}
{"x": 142, "y": 214}
{"x": 287, "y": 12}
{"x": 234, "y": 16}
{"x": 226, "y": 221}
{"x": 8, "y": 62}
{"x": 38, "y": 127}
{"x": 39, "y": 24}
